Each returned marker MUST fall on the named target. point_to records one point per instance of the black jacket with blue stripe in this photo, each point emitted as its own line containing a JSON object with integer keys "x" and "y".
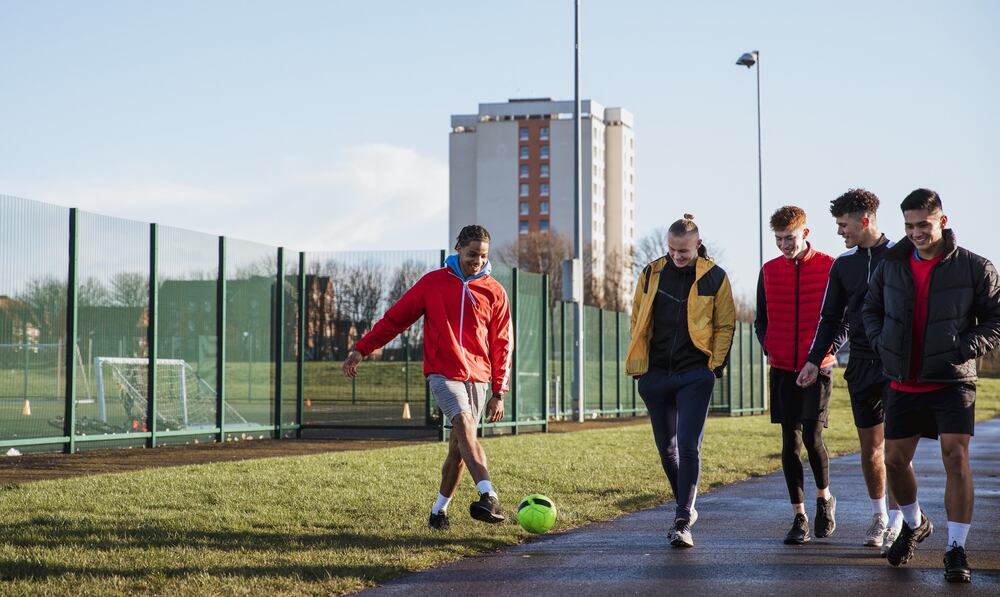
{"x": 845, "y": 296}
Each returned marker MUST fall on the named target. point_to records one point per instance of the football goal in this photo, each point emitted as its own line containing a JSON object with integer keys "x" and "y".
{"x": 183, "y": 399}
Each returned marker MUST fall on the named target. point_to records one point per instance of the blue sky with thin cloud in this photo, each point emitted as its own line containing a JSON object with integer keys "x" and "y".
{"x": 324, "y": 125}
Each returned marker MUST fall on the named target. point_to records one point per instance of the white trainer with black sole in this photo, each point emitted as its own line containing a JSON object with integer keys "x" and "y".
{"x": 876, "y": 530}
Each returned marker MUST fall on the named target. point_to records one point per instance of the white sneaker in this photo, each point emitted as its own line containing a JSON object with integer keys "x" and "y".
{"x": 874, "y": 536}
{"x": 888, "y": 537}
{"x": 694, "y": 517}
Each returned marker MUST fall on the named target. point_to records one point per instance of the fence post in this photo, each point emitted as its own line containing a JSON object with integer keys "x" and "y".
{"x": 600, "y": 361}
{"x": 151, "y": 335}
{"x": 545, "y": 352}
{"x": 69, "y": 416}
{"x": 617, "y": 351}
{"x": 515, "y": 381}
{"x": 562, "y": 359}
{"x": 279, "y": 341}
{"x": 742, "y": 360}
{"x": 301, "y": 360}
{"x": 220, "y": 345}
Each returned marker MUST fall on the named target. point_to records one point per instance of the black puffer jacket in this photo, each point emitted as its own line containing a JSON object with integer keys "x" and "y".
{"x": 963, "y": 313}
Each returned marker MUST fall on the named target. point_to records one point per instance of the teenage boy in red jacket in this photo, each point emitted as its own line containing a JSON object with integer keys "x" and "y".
{"x": 789, "y": 298}
{"x": 467, "y": 349}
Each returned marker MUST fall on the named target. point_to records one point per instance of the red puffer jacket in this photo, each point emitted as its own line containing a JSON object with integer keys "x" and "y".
{"x": 467, "y": 327}
{"x": 789, "y": 301}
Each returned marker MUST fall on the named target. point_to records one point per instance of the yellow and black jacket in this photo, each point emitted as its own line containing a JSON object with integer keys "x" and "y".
{"x": 711, "y": 314}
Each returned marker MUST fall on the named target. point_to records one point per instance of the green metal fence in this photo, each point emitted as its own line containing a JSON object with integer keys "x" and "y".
{"x": 741, "y": 390}
{"x": 181, "y": 337}
{"x": 609, "y": 392}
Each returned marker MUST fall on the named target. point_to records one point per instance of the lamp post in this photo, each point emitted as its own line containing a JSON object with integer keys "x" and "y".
{"x": 575, "y": 267}
{"x": 749, "y": 59}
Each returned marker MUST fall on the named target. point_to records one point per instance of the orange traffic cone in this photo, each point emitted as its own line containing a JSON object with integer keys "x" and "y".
{"x": 406, "y": 410}
{"x": 26, "y": 411}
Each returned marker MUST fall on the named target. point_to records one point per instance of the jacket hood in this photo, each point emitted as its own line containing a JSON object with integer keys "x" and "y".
{"x": 452, "y": 263}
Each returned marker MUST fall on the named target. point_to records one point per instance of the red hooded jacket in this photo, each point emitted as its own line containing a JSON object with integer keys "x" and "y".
{"x": 467, "y": 327}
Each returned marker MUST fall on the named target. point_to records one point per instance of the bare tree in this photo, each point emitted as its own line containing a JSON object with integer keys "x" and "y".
{"x": 129, "y": 289}
{"x": 46, "y": 300}
{"x": 362, "y": 294}
{"x": 404, "y": 279}
{"x": 746, "y": 308}
{"x": 539, "y": 253}
{"x": 618, "y": 273}
{"x": 92, "y": 293}
{"x": 651, "y": 247}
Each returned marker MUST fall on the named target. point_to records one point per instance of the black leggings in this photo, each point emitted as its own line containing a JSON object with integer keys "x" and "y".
{"x": 792, "y": 437}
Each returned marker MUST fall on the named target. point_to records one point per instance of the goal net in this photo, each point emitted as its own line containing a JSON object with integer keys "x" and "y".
{"x": 183, "y": 399}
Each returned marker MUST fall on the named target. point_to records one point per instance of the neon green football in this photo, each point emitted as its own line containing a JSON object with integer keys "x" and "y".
{"x": 536, "y": 513}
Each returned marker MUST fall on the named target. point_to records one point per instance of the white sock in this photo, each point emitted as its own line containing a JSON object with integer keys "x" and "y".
{"x": 911, "y": 514}
{"x": 824, "y": 493}
{"x": 878, "y": 507}
{"x": 957, "y": 532}
{"x": 441, "y": 504}
{"x": 896, "y": 520}
{"x": 485, "y": 486}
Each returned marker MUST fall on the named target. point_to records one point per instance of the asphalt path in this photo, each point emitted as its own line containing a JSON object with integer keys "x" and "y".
{"x": 738, "y": 545}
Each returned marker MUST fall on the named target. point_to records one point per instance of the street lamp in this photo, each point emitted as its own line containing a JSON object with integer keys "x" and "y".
{"x": 749, "y": 59}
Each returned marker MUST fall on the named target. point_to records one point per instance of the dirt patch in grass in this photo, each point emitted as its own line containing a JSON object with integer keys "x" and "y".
{"x": 41, "y": 467}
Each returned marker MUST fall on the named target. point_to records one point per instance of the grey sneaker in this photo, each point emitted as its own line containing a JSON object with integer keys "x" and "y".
{"x": 876, "y": 531}
{"x": 887, "y": 538}
{"x": 487, "y": 509}
{"x": 680, "y": 535}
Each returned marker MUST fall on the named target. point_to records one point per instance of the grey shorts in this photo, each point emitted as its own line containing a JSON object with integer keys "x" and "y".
{"x": 454, "y": 397}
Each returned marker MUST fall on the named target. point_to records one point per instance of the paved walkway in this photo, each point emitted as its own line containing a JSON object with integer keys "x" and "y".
{"x": 738, "y": 546}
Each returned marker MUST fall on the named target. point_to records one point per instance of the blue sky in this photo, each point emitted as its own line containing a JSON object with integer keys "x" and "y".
{"x": 324, "y": 125}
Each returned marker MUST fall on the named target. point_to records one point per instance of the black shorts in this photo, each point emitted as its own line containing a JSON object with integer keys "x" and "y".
{"x": 951, "y": 409}
{"x": 867, "y": 385}
{"x": 791, "y": 404}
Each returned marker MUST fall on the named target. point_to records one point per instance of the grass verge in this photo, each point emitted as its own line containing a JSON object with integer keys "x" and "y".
{"x": 337, "y": 522}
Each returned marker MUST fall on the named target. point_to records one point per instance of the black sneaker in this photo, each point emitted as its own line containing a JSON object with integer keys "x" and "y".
{"x": 680, "y": 536}
{"x": 956, "y": 565}
{"x": 904, "y": 545}
{"x": 439, "y": 521}
{"x": 487, "y": 509}
{"x": 799, "y": 533}
{"x": 826, "y": 517}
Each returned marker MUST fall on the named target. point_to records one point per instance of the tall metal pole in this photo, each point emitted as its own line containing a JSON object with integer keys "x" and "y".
{"x": 578, "y": 396}
{"x": 760, "y": 217}
{"x": 760, "y": 176}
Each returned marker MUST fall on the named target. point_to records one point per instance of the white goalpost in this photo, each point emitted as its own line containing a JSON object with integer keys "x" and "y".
{"x": 183, "y": 399}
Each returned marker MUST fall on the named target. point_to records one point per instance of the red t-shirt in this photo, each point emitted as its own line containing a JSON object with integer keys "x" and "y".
{"x": 921, "y": 269}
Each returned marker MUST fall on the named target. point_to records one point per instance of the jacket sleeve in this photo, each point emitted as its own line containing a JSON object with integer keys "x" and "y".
{"x": 833, "y": 327}
{"x": 723, "y": 327}
{"x": 760, "y": 321}
{"x": 501, "y": 342}
{"x": 637, "y": 298}
{"x": 400, "y": 316}
{"x": 873, "y": 312}
{"x": 985, "y": 335}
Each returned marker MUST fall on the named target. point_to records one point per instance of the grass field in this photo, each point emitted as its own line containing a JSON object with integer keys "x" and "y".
{"x": 336, "y": 522}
